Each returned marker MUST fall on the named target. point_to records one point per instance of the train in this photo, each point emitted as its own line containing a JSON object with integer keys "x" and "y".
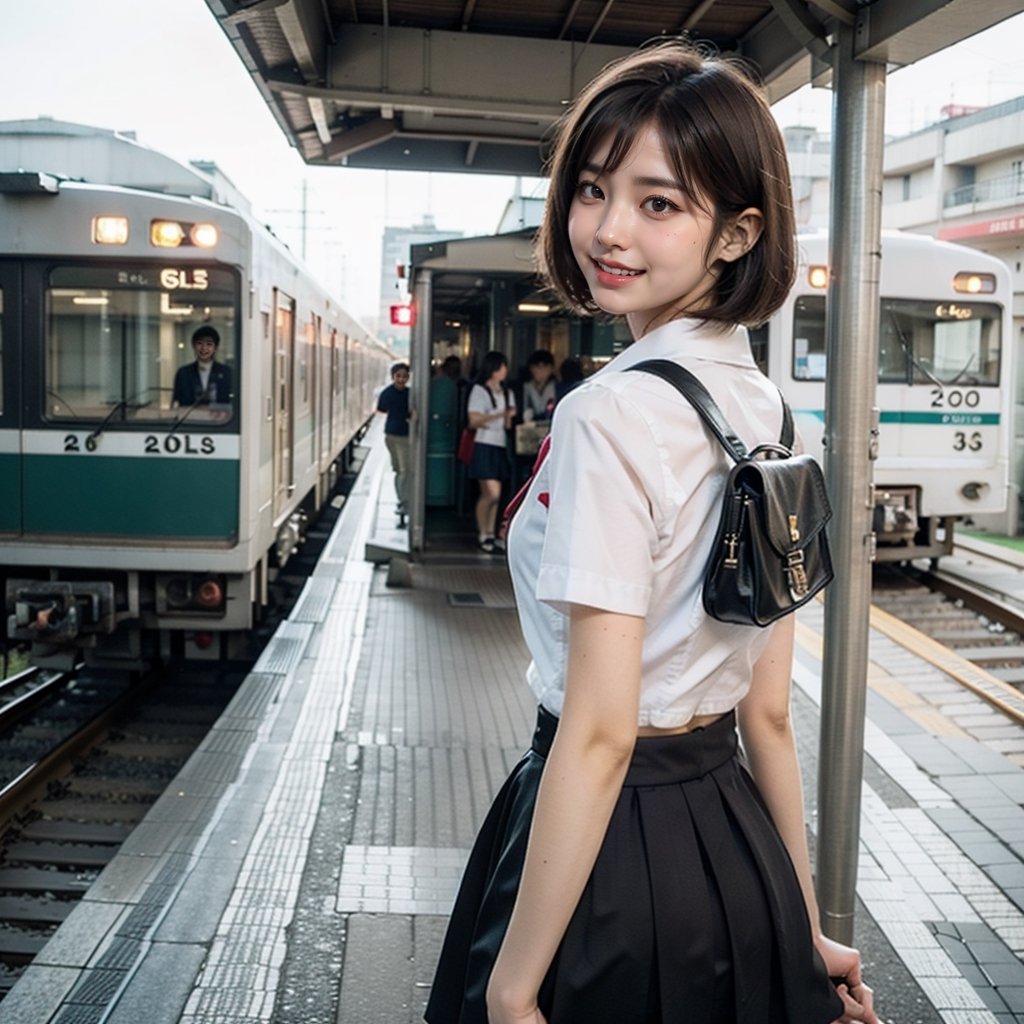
{"x": 136, "y": 524}
{"x": 945, "y": 391}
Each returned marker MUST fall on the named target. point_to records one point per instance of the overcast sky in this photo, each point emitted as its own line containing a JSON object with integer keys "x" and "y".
{"x": 168, "y": 72}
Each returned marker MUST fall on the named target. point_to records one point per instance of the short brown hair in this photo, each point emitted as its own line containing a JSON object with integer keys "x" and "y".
{"x": 725, "y": 148}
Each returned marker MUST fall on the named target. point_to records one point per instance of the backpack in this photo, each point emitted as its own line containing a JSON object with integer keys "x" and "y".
{"x": 771, "y": 552}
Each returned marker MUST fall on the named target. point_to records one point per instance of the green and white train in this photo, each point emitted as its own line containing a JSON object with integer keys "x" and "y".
{"x": 131, "y": 526}
{"x": 946, "y": 384}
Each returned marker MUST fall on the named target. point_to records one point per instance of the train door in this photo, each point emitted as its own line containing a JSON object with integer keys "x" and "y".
{"x": 315, "y": 412}
{"x": 10, "y": 434}
{"x": 284, "y": 406}
{"x": 331, "y": 406}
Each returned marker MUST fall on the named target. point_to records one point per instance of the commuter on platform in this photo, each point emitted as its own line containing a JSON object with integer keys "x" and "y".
{"x": 633, "y": 869}
{"x": 393, "y": 401}
{"x": 539, "y": 390}
{"x": 491, "y": 410}
{"x": 205, "y": 381}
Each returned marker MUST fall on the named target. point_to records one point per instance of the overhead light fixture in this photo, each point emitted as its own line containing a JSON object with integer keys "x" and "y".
{"x": 533, "y": 307}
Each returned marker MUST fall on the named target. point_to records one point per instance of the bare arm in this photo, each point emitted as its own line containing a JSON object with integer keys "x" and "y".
{"x": 766, "y": 727}
{"x": 481, "y": 419}
{"x": 581, "y": 782}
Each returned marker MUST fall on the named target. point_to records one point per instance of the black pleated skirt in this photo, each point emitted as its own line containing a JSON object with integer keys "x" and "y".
{"x": 692, "y": 915}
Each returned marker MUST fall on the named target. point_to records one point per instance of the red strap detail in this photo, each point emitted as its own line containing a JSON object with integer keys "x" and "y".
{"x": 520, "y": 496}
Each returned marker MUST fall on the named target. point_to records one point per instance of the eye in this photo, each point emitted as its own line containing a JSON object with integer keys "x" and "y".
{"x": 659, "y": 205}
{"x": 588, "y": 190}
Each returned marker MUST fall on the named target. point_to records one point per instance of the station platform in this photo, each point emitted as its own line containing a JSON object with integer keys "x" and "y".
{"x": 300, "y": 868}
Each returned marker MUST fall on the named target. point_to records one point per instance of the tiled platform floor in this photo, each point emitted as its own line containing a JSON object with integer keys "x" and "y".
{"x": 300, "y": 871}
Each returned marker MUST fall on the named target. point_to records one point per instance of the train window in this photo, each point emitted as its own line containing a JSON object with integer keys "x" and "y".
{"x": 920, "y": 341}
{"x": 118, "y": 344}
{"x": 945, "y": 343}
{"x": 1, "y": 351}
{"x": 809, "y": 337}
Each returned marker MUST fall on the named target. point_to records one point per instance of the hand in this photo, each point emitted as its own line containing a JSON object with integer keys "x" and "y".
{"x": 844, "y": 962}
{"x": 509, "y": 1011}
{"x": 506, "y": 1005}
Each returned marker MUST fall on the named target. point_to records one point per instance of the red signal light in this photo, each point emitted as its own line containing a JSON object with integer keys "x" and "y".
{"x": 403, "y": 315}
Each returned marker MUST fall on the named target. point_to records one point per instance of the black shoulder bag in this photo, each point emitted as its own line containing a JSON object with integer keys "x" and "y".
{"x": 771, "y": 551}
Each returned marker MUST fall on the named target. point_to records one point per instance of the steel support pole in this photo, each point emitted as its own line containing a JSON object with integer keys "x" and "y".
{"x": 850, "y": 436}
{"x": 421, "y": 355}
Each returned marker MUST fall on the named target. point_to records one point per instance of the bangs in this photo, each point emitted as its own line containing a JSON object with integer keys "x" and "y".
{"x": 618, "y": 123}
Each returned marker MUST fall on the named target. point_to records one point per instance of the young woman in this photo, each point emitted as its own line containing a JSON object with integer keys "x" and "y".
{"x": 491, "y": 409}
{"x": 633, "y": 870}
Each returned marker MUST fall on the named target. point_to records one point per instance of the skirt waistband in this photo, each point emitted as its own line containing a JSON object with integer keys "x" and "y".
{"x": 659, "y": 760}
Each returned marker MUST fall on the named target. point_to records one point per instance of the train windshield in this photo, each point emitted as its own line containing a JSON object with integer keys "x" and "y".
{"x": 921, "y": 341}
{"x": 141, "y": 344}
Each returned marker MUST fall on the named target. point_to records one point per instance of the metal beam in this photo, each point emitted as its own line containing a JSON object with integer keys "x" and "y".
{"x": 464, "y": 71}
{"x": 844, "y": 11}
{"x": 461, "y": 106}
{"x": 304, "y": 31}
{"x": 381, "y": 130}
{"x": 904, "y": 31}
{"x": 807, "y": 30}
{"x": 240, "y": 14}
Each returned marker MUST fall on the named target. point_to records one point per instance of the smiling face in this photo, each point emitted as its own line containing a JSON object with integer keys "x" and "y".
{"x": 205, "y": 349}
{"x": 640, "y": 242}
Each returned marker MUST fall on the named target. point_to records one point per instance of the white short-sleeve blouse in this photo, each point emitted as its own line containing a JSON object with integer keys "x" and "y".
{"x": 622, "y": 514}
{"x": 482, "y": 399}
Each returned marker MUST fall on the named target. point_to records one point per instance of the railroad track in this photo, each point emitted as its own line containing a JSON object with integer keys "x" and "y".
{"x": 980, "y": 624}
{"x": 83, "y": 757}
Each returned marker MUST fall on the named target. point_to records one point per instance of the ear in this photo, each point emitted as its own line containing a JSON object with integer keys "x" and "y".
{"x": 740, "y": 235}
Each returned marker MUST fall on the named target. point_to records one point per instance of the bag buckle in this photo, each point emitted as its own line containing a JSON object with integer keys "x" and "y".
{"x": 798, "y": 583}
{"x": 731, "y": 542}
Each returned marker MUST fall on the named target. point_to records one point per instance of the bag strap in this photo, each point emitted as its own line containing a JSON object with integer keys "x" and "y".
{"x": 698, "y": 396}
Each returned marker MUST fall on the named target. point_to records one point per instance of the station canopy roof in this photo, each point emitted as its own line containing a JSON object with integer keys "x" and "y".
{"x": 475, "y": 85}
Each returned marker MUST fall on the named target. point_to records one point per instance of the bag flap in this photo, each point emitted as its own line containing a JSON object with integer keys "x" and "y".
{"x": 790, "y": 497}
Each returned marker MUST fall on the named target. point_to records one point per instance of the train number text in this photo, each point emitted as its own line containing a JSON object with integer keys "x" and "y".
{"x": 962, "y": 441}
{"x": 73, "y": 443}
{"x": 173, "y": 444}
{"x": 955, "y": 399}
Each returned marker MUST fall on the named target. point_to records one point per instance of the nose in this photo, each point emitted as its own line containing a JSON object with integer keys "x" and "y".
{"x": 613, "y": 229}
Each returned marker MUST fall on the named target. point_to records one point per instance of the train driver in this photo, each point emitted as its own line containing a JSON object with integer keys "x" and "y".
{"x": 205, "y": 381}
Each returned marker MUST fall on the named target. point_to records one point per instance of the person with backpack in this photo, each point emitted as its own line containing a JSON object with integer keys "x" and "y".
{"x": 633, "y": 868}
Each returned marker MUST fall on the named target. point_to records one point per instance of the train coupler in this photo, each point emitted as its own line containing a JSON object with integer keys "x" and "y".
{"x": 58, "y": 612}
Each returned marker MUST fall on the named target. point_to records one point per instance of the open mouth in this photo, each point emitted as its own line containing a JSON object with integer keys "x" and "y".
{"x": 616, "y": 271}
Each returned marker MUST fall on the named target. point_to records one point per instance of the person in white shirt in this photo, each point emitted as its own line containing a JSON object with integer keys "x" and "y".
{"x": 491, "y": 409}
{"x": 632, "y": 869}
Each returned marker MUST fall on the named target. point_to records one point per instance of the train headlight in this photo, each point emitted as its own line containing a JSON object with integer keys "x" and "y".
{"x": 110, "y": 230}
{"x": 817, "y": 277}
{"x": 204, "y": 236}
{"x": 974, "y": 284}
{"x": 168, "y": 234}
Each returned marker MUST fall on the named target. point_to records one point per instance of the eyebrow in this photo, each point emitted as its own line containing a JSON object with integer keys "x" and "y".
{"x": 645, "y": 182}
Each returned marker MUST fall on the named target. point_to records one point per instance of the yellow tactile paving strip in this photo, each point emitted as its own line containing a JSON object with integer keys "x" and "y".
{"x": 987, "y": 686}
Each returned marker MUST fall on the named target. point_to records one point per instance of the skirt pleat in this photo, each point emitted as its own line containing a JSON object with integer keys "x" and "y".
{"x": 692, "y": 914}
